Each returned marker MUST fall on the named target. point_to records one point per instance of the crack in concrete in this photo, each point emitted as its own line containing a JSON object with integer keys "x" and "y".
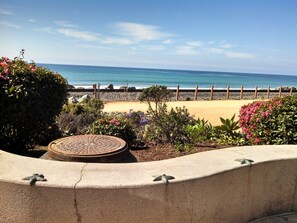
{"x": 78, "y": 216}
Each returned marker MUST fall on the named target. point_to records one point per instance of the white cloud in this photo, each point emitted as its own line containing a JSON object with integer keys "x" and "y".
{"x": 211, "y": 42}
{"x": 86, "y": 46}
{"x": 94, "y": 46}
{"x": 215, "y": 50}
{"x": 140, "y": 32}
{"x": 116, "y": 41}
{"x": 155, "y": 47}
{"x": 82, "y": 35}
{"x": 32, "y": 20}
{"x": 168, "y": 41}
{"x": 225, "y": 46}
{"x": 230, "y": 54}
{"x": 64, "y": 24}
{"x": 186, "y": 50}
{"x": 238, "y": 55}
{"x": 10, "y": 25}
{"x": 195, "y": 43}
{"x": 6, "y": 12}
{"x": 46, "y": 30}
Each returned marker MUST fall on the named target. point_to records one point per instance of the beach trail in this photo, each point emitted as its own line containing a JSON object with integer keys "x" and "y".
{"x": 209, "y": 110}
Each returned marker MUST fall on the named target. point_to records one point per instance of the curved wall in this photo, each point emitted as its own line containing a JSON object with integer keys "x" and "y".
{"x": 208, "y": 187}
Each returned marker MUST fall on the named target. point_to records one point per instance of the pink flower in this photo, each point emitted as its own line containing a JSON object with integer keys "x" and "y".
{"x": 257, "y": 140}
{"x": 6, "y": 71}
{"x": 113, "y": 121}
{"x": 3, "y": 64}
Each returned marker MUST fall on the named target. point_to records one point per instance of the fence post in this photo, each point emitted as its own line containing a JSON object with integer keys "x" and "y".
{"x": 211, "y": 92}
{"x": 268, "y": 92}
{"x": 98, "y": 91}
{"x": 127, "y": 89}
{"x": 196, "y": 92}
{"x": 228, "y": 90}
{"x": 94, "y": 90}
{"x": 241, "y": 92}
{"x": 177, "y": 92}
{"x": 256, "y": 92}
{"x": 280, "y": 92}
{"x": 291, "y": 91}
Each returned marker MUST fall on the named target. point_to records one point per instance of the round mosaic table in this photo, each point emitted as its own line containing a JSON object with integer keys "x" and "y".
{"x": 88, "y": 148}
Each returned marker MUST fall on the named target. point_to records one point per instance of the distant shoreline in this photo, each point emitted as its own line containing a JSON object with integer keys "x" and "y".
{"x": 185, "y": 94}
{"x": 140, "y": 88}
{"x": 86, "y": 76}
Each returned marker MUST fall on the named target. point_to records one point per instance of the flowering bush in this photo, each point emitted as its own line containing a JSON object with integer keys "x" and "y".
{"x": 270, "y": 122}
{"x": 115, "y": 124}
{"x": 30, "y": 97}
{"x": 138, "y": 120}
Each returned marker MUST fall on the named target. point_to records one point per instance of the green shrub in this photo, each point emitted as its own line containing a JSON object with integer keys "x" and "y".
{"x": 30, "y": 97}
{"x": 270, "y": 122}
{"x": 227, "y": 132}
{"x": 156, "y": 97}
{"x": 77, "y": 118}
{"x": 138, "y": 121}
{"x": 164, "y": 126}
{"x": 170, "y": 127}
{"x": 200, "y": 131}
{"x": 115, "y": 125}
{"x": 228, "y": 127}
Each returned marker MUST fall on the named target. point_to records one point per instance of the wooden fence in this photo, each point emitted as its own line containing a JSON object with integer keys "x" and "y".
{"x": 212, "y": 90}
{"x": 131, "y": 94}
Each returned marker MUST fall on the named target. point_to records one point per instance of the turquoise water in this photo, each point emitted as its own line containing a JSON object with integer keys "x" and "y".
{"x": 138, "y": 77}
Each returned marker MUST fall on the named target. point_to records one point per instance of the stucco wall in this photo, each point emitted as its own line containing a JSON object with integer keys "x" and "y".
{"x": 208, "y": 187}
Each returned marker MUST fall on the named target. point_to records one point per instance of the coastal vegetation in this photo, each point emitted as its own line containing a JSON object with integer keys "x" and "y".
{"x": 270, "y": 122}
{"x": 30, "y": 99}
{"x": 77, "y": 118}
{"x": 158, "y": 126}
{"x": 34, "y": 110}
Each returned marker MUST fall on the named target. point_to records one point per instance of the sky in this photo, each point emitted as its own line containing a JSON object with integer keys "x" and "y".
{"x": 256, "y": 36}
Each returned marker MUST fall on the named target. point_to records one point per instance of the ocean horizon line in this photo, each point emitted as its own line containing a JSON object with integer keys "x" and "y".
{"x": 167, "y": 69}
{"x": 186, "y": 79}
{"x": 118, "y": 87}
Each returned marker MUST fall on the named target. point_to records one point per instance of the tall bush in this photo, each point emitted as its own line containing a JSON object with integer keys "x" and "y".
{"x": 156, "y": 97}
{"x": 165, "y": 126}
{"x": 170, "y": 127}
{"x": 270, "y": 122}
{"x": 77, "y": 118}
{"x": 30, "y": 99}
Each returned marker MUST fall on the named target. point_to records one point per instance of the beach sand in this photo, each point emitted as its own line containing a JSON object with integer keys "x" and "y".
{"x": 209, "y": 110}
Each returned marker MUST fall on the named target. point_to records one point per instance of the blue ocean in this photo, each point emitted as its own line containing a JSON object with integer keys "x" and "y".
{"x": 85, "y": 76}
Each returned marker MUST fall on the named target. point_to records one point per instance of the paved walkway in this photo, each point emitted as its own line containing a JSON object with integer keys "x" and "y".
{"x": 282, "y": 218}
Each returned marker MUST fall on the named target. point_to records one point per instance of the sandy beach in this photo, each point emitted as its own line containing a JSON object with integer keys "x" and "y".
{"x": 202, "y": 107}
{"x": 209, "y": 110}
